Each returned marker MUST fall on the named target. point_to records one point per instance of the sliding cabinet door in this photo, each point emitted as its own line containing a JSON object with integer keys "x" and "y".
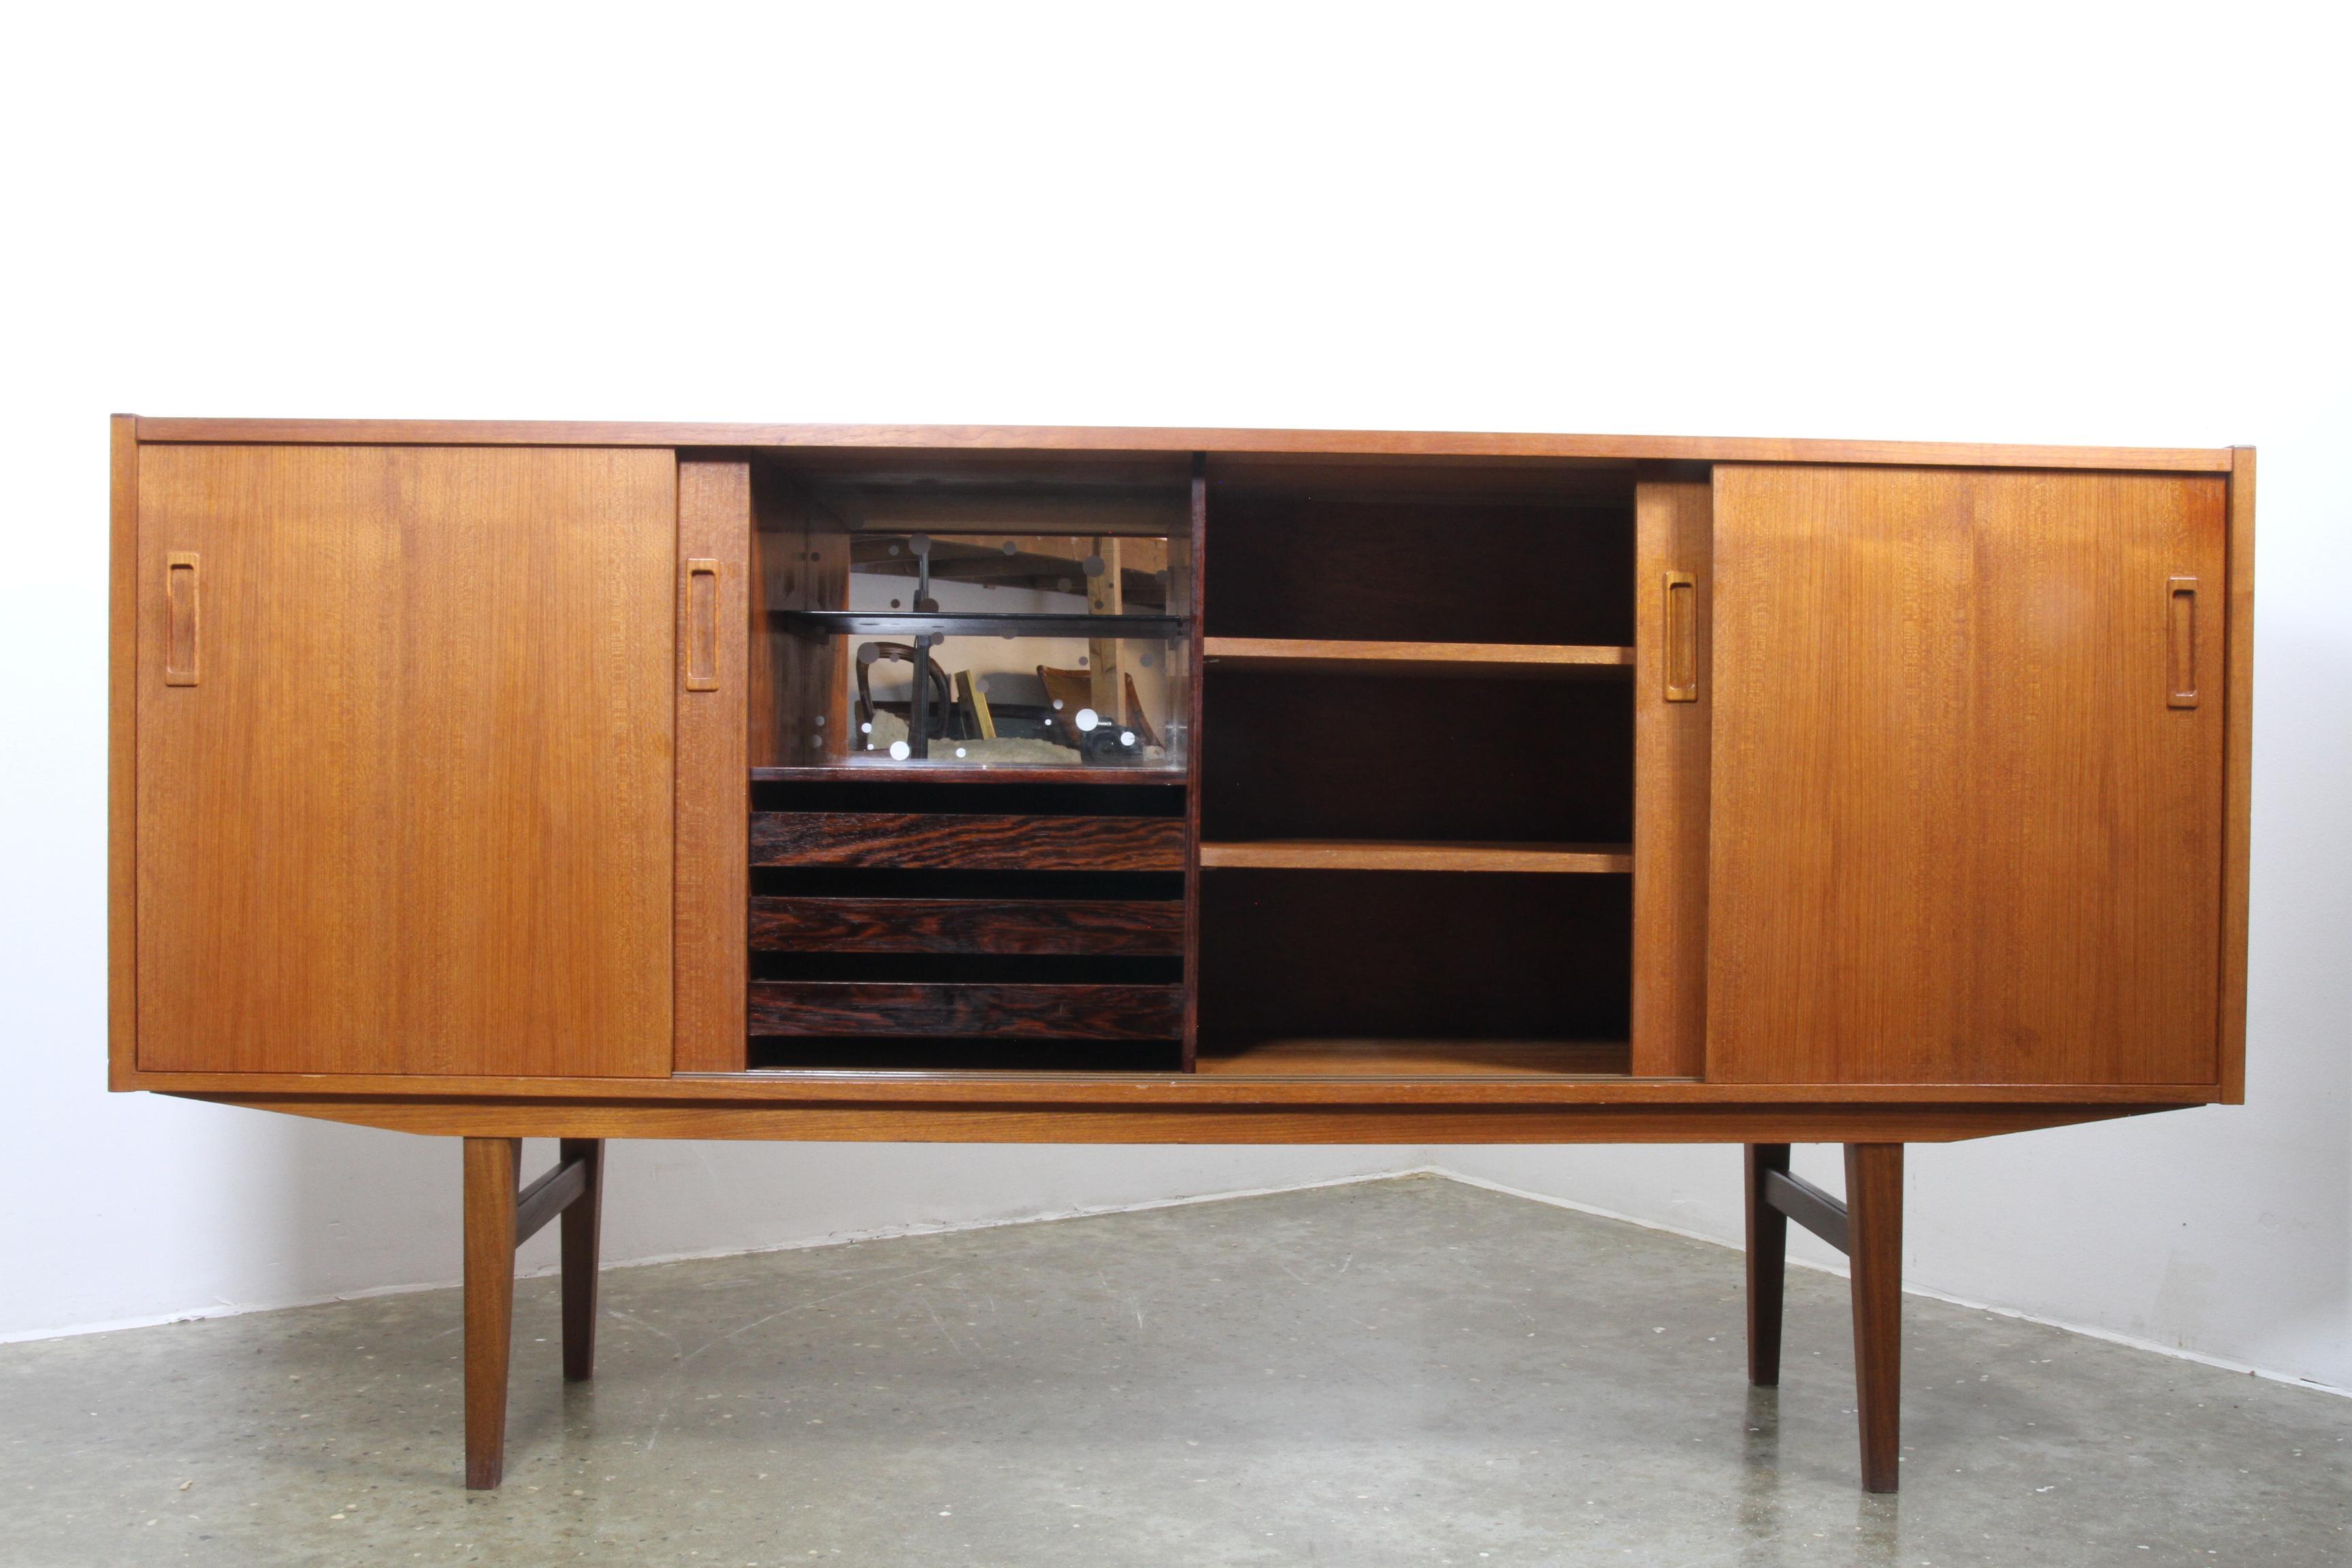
{"x": 404, "y": 760}
{"x": 1967, "y": 776}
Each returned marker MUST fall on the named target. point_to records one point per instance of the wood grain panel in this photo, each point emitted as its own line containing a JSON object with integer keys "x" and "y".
{"x": 1133, "y": 926}
{"x": 971, "y": 841}
{"x": 417, "y": 816}
{"x": 121, "y": 757}
{"x": 1958, "y": 835}
{"x": 1487, "y": 660}
{"x": 1522, "y": 446}
{"x": 2237, "y": 818}
{"x": 1673, "y": 528}
{"x": 864, "y": 1009}
{"x": 714, "y": 523}
{"x": 1342, "y": 854}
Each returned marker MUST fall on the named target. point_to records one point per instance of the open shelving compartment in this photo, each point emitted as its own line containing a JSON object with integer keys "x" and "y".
{"x": 1417, "y": 769}
{"x": 972, "y": 699}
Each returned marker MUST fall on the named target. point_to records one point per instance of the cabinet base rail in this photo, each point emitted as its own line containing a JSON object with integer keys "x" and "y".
{"x": 1867, "y": 1227}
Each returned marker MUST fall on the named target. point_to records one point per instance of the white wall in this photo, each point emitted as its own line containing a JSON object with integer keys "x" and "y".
{"x": 2033, "y": 226}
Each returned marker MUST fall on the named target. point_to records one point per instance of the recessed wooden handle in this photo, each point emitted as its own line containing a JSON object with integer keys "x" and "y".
{"x": 180, "y": 648}
{"x": 2180, "y": 642}
{"x": 1682, "y": 637}
{"x": 699, "y": 618}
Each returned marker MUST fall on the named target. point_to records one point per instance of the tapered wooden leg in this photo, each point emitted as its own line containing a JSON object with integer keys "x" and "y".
{"x": 1767, "y": 1265}
{"x": 581, "y": 1222}
{"x": 1874, "y": 1201}
{"x": 493, "y": 1168}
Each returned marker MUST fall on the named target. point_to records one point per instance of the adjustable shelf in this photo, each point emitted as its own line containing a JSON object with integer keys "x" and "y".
{"x": 1358, "y": 854}
{"x": 1490, "y": 660}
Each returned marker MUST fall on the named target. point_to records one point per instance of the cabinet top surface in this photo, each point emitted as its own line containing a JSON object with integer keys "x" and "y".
{"x": 1107, "y": 440}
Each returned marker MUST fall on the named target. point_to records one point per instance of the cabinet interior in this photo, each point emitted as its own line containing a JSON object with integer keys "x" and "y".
{"x": 1393, "y": 663}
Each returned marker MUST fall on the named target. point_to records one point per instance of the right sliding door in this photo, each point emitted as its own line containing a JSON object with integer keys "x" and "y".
{"x": 1966, "y": 787}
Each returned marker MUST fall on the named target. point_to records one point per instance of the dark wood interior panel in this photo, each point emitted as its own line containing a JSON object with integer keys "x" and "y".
{"x": 916, "y": 840}
{"x": 1092, "y": 926}
{"x": 939, "y": 1058}
{"x": 1320, "y": 756}
{"x": 849, "y": 1009}
{"x": 800, "y": 561}
{"x": 1410, "y": 956}
{"x": 1445, "y": 569}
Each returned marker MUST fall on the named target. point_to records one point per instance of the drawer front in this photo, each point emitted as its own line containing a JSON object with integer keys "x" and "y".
{"x": 1078, "y": 927}
{"x": 883, "y": 840}
{"x": 868, "y": 1010}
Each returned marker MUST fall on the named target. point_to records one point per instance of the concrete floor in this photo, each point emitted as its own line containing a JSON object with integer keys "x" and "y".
{"x": 1397, "y": 1372}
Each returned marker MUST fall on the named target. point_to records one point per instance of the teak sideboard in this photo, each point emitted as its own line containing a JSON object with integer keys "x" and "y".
{"x": 497, "y": 781}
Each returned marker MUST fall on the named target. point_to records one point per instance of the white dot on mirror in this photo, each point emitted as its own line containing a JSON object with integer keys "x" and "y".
{"x": 900, "y": 750}
{"x": 1126, "y": 737}
{"x": 1087, "y": 719}
{"x": 866, "y": 729}
{"x": 960, "y": 750}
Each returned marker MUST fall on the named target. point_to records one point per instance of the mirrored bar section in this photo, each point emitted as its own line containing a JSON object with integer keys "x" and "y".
{"x": 938, "y": 616}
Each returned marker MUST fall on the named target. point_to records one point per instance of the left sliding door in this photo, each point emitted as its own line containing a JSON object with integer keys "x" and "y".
{"x": 404, "y": 745}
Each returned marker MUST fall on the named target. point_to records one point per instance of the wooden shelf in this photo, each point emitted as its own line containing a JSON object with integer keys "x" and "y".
{"x": 1348, "y": 855}
{"x": 1420, "y": 1059}
{"x": 977, "y": 624}
{"x": 1492, "y": 660}
{"x": 880, "y": 770}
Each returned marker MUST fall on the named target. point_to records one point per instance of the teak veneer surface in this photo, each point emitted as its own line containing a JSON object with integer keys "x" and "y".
{"x": 2236, "y": 795}
{"x": 415, "y": 815}
{"x": 1958, "y": 832}
{"x": 714, "y": 516}
{"x": 1494, "y": 660}
{"x": 1117, "y": 439}
{"x": 1672, "y": 740}
{"x": 864, "y": 1009}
